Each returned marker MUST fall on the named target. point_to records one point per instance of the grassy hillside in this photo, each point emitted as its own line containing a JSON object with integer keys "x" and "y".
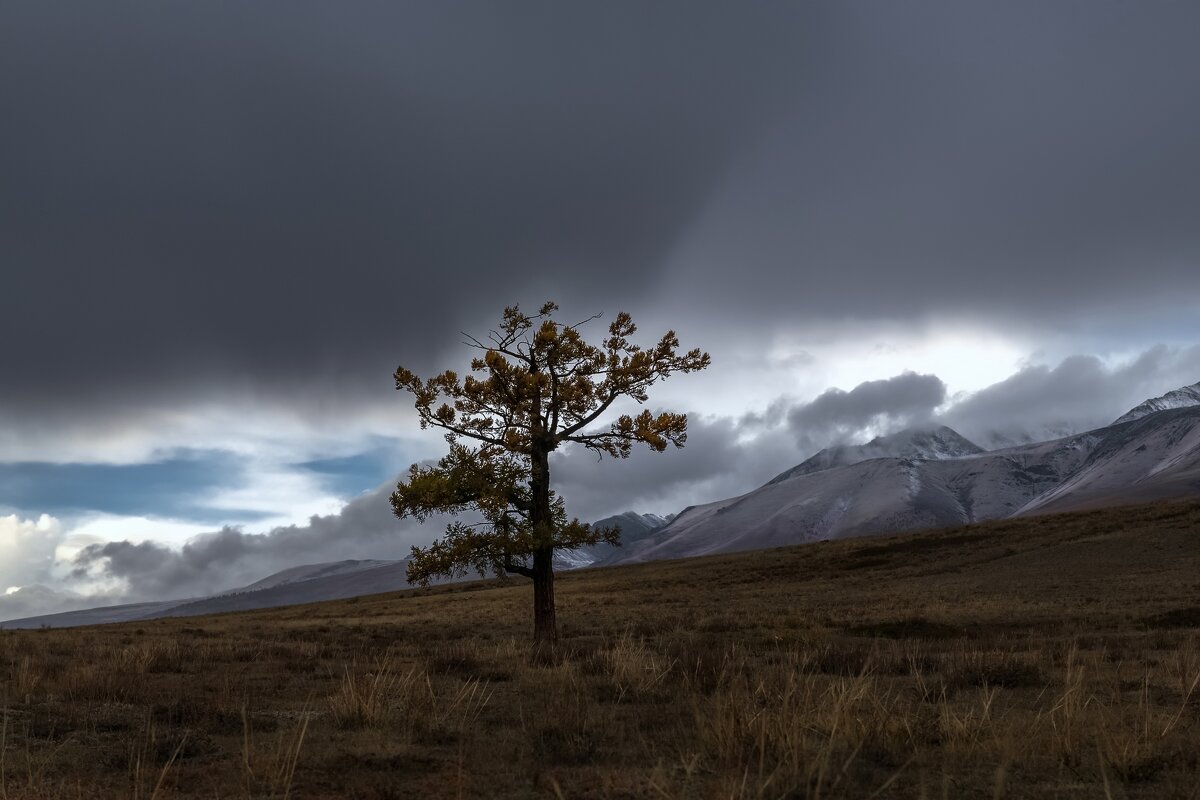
{"x": 1047, "y": 657}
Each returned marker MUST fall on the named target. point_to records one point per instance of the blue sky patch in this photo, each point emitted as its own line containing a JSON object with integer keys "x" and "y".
{"x": 173, "y": 487}
{"x": 350, "y": 476}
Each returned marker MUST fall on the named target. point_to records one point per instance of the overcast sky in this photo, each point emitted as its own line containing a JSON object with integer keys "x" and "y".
{"x": 223, "y": 225}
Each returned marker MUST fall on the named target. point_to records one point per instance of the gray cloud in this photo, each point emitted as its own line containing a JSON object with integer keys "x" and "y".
{"x": 228, "y": 558}
{"x": 879, "y": 406}
{"x": 722, "y": 457}
{"x": 1036, "y": 403}
{"x": 1080, "y": 393}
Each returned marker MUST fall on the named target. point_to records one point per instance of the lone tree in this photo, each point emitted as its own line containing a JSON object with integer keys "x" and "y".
{"x": 537, "y": 386}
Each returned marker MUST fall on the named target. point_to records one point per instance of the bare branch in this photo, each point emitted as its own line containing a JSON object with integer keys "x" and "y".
{"x": 516, "y": 569}
{"x": 579, "y": 325}
{"x": 590, "y": 418}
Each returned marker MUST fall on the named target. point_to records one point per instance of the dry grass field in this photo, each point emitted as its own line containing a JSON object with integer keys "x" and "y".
{"x": 1053, "y": 657}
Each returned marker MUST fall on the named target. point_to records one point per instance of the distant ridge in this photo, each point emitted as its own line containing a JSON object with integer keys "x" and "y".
{"x": 634, "y": 527}
{"x": 335, "y": 581}
{"x": 305, "y": 584}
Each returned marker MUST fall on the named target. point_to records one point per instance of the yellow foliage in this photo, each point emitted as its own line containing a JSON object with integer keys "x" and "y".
{"x": 537, "y": 386}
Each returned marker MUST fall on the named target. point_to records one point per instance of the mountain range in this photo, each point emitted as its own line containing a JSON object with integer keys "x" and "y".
{"x": 935, "y": 478}
{"x": 310, "y": 583}
{"x": 917, "y": 478}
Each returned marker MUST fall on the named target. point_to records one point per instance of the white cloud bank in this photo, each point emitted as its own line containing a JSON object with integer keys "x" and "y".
{"x": 27, "y": 548}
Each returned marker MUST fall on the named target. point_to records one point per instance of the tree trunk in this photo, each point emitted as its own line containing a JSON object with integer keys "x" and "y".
{"x": 545, "y": 624}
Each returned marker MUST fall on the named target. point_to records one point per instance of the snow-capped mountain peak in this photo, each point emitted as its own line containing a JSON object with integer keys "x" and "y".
{"x": 927, "y": 444}
{"x": 1183, "y": 397}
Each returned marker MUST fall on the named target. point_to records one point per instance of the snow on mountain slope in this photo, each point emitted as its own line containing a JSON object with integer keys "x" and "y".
{"x": 1183, "y": 397}
{"x": 1155, "y": 457}
{"x": 1152, "y": 457}
{"x": 923, "y": 443}
{"x": 875, "y": 496}
{"x": 809, "y": 507}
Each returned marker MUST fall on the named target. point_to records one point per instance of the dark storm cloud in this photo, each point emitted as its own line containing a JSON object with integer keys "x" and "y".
{"x": 1022, "y": 162}
{"x": 200, "y": 197}
{"x": 205, "y": 198}
{"x": 1041, "y": 402}
{"x": 882, "y": 405}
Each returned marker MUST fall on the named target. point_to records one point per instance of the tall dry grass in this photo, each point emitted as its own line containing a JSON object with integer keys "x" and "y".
{"x": 982, "y": 668}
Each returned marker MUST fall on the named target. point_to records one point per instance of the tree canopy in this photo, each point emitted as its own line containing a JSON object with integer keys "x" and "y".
{"x": 536, "y": 385}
